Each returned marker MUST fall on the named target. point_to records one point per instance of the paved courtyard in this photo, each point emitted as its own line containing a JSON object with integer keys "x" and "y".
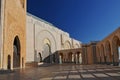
{"x": 65, "y": 72}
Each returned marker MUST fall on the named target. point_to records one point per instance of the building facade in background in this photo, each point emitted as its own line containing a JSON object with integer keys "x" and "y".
{"x": 43, "y": 40}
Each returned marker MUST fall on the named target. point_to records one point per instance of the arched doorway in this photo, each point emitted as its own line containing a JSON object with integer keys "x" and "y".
{"x": 103, "y": 57}
{"x": 9, "y": 62}
{"x": 71, "y": 57}
{"x": 78, "y": 57}
{"x": 116, "y": 51}
{"x": 98, "y": 55}
{"x": 108, "y": 53}
{"x": 16, "y": 52}
{"x": 47, "y": 56}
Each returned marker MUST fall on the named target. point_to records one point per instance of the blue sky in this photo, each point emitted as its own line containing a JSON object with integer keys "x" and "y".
{"x": 85, "y": 20}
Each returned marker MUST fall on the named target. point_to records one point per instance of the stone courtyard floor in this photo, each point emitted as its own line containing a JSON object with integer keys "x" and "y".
{"x": 65, "y": 72}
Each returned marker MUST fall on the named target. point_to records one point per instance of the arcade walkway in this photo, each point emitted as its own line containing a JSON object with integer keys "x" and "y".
{"x": 65, "y": 72}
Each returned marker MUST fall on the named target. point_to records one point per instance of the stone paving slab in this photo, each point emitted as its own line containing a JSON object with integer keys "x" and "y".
{"x": 74, "y": 77}
{"x": 113, "y": 74}
{"x": 87, "y": 76}
{"x": 100, "y": 75}
{"x": 65, "y": 72}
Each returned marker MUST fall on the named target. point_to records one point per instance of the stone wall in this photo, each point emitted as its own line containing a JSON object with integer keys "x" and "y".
{"x": 14, "y": 25}
{"x": 89, "y": 53}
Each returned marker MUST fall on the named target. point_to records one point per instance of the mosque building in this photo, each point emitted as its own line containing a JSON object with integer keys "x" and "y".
{"x": 43, "y": 40}
{"x": 27, "y": 40}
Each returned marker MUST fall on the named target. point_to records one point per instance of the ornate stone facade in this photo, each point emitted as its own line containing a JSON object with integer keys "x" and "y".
{"x": 44, "y": 39}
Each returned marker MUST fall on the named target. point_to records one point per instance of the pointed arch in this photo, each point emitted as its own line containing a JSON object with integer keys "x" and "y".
{"x": 46, "y": 55}
{"x": 116, "y": 48}
{"x": 103, "y": 60}
{"x": 98, "y": 55}
{"x": 108, "y": 52}
{"x": 16, "y": 52}
{"x": 76, "y": 45}
{"x": 67, "y": 45}
{"x": 71, "y": 57}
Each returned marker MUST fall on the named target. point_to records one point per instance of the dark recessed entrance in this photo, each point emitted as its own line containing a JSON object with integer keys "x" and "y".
{"x": 9, "y": 62}
{"x": 16, "y": 52}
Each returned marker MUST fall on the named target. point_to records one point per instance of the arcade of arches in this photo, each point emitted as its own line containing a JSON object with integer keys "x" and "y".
{"x": 70, "y": 56}
{"x": 108, "y": 50}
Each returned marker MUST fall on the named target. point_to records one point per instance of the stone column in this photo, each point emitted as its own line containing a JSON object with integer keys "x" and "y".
{"x": 119, "y": 55}
{"x": 1, "y": 25}
{"x": 80, "y": 58}
{"x": 111, "y": 46}
{"x": 60, "y": 59}
{"x": 72, "y": 57}
{"x": 76, "y": 58}
{"x": 0, "y": 35}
